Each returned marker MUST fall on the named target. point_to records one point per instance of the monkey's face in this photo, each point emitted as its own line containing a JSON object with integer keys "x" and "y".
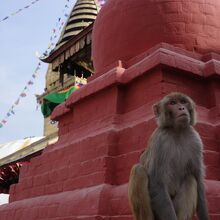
{"x": 178, "y": 110}
{"x": 175, "y": 110}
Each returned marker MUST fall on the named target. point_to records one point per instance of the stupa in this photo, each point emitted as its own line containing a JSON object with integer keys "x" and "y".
{"x": 142, "y": 50}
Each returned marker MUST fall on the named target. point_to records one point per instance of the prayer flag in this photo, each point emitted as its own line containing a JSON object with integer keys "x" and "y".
{"x": 30, "y": 82}
{"x": 5, "y": 18}
{"x": 51, "y": 100}
{"x": 17, "y": 102}
{"x": 23, "y": 94}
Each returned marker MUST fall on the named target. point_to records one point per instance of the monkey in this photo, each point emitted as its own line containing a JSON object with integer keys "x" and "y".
{"x": 167, "y": 183}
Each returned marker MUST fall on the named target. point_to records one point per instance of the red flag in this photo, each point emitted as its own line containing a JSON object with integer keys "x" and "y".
{"x": 23, "y": 94}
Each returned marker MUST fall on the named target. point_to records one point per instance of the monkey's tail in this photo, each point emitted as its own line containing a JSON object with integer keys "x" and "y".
{"x": 138, "y": 193}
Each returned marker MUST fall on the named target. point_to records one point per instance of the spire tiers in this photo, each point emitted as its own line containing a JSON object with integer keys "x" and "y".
{"x": 83, "y": 14}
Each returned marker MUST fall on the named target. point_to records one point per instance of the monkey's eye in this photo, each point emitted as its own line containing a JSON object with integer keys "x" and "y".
{"x": 172, "y": 102}
{"x": 183, "y": 101}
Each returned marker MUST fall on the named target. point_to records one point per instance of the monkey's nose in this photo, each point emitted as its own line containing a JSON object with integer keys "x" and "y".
{"x": 181, "y": 108}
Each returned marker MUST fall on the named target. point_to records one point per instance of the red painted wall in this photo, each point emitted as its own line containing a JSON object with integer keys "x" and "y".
{"x": 125, "y": 29}
{"x": 104, "y": 126}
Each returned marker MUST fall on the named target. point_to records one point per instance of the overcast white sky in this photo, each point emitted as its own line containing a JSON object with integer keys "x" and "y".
{"x": 21, "y": 36}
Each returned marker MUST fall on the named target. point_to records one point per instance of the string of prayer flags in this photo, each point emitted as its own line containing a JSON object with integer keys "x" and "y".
{"x": 59, "y": 25}
{"x": 22, "y": 94}
{"x": 102, "y": 2}
{"x": 19, "y": 10}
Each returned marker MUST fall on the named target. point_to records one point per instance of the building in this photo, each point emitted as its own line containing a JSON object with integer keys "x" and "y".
{"x": 70, "y": 60}
{"x": 69, "y": 67}
{"x": 140, "y": 53}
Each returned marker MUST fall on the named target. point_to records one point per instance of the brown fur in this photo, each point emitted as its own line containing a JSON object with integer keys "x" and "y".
{"x": 139, "y": 200}
{"x": 185, "y": 201}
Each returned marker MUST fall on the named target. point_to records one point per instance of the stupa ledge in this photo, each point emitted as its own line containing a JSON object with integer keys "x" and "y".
{"x": 140, "y": 51}
{"x": 106, "y": 80}
{"x": 59, "y": 111}
{"x": 163, "y": 55}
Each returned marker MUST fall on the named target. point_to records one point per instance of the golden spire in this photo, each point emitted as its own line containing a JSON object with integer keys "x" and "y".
{"x": 83, "y": 14}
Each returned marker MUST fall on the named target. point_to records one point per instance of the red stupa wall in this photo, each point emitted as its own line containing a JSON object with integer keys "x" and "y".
{"x": 126, "y": 28}
{"x": 104, "y": 126}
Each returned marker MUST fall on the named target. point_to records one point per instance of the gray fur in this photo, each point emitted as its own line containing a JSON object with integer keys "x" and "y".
{"x": 173, "y": 157}
{"x": 173, "y": 162}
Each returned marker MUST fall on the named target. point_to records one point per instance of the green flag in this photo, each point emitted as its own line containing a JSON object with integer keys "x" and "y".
{"x": 53, "y": 99}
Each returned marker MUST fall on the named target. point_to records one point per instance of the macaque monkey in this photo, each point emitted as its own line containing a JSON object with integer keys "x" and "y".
{"x": 167, "y": 183}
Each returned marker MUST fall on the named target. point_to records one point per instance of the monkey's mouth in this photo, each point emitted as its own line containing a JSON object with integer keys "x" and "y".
{"x": 182, "y": 115}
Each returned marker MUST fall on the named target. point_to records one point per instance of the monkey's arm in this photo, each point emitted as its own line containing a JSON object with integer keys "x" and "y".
{"x": 160, "y": 200}
{"x": 202, "y": 210}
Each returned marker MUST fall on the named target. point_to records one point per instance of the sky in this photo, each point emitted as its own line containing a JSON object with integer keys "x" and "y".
{"x": 21, "y": 36}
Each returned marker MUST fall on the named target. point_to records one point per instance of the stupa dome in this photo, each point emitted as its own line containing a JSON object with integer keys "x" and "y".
{"x": 126, "y": 28}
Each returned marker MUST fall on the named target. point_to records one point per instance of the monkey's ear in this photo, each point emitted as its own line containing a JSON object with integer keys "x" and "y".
{"x": 156, "y": 109}
{"x": 193, "y": 113}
